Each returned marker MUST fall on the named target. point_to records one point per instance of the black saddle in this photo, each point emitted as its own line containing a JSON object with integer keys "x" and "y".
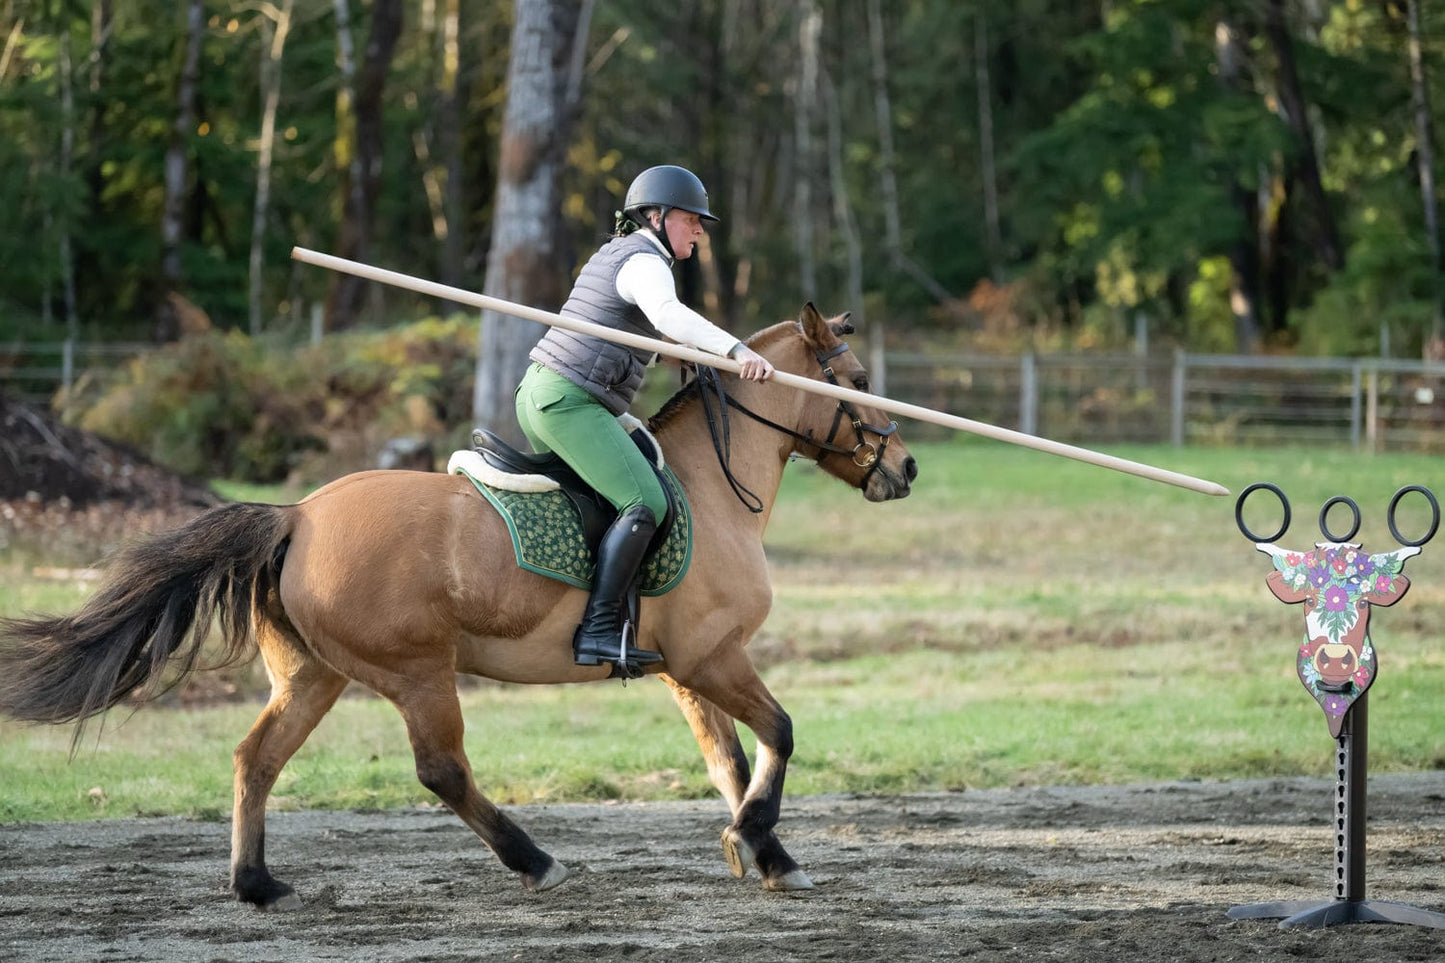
{"x": 596, "y": 512}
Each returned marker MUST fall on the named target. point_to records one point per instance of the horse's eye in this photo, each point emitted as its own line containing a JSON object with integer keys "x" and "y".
{"x": 860, "y": 381}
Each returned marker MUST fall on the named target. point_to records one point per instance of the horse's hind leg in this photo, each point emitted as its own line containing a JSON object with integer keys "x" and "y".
{"x": 728, "y": 688}
{"x": 302, "y": 691}
{"x": 434, "y": 724}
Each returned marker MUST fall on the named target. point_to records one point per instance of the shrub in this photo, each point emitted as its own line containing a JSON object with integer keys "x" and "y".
{"x": 224, "y": 405}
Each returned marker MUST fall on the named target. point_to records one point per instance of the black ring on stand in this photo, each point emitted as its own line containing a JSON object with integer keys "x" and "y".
{"x": 1325, "y": 523}
{"x": 1434, "y": 515}
{"x": 1239, "y": 512}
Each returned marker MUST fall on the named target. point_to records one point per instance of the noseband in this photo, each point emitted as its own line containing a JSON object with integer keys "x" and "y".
{"x": 864, "y": 454}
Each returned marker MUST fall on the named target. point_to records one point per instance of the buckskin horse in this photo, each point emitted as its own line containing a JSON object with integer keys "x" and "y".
{"x": 399, "y": 580}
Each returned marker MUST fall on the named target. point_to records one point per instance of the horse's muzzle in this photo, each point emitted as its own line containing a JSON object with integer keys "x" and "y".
{"x": 886, "y": 484}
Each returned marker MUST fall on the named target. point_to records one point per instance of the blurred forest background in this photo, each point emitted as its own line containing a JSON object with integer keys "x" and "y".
{"x": 1000, "y": 175}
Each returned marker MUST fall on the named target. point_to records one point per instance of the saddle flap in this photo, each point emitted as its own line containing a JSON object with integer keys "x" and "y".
{"x": 504, "y": 457}
{"x": 593, "y": 510}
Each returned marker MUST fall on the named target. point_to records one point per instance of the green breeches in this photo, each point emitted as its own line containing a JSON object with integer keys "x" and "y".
{"x": 563, "y": 418}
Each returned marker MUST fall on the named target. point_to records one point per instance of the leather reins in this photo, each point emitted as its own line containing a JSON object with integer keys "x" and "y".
{"x": 864, "y": 454}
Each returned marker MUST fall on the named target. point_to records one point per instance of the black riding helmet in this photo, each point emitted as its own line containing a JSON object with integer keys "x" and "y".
{"x": 665, "y": 187}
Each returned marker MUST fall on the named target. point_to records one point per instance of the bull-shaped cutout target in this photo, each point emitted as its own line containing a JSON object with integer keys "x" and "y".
{"x": 1337, "y": 582}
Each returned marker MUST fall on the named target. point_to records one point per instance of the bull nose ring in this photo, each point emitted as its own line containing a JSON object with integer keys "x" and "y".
{"x": 1239, "y": 512}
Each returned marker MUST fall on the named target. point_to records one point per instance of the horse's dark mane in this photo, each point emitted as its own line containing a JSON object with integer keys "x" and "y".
{"x": 673, "y": 405}
{"x": 684, "y": 395}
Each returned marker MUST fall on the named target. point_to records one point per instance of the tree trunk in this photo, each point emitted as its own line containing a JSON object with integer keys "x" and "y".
{"x": 892, "y": 221}
{"x": 1244, "y": 276}
{"x": 173, "y": 216}
{"x": 1244, "y": 252}
{"x": 101, "y": 21}
{"x": 12, "y": 42}
{"x": 67, "y": 160}
{"x": 752, "y": 41}
{"x": 348, "y": 293}
{"x": 848, "y": 226}
{"x": 1325, "y": 236}
{"x": 1425, "y": 162}
{"x": 577, "y": 62}
{"x": 348, "y": 161}
{"x": 810, "y": 25}
{"x": 443, "y": 109}
{"x": 993, "y": 238}
{"x": 883, "y": 111}
{"x": 273, "y": 45}
{"x": 525, "y": 263}
{"x": 449, "y": 122}
{"x": 1275, "y": 243}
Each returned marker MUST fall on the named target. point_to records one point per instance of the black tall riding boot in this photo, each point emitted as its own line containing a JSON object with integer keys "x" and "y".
{"x": 619, "y": 556}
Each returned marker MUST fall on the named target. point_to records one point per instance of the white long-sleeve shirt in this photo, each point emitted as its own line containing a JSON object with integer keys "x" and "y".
{"x": 647, "y": 281}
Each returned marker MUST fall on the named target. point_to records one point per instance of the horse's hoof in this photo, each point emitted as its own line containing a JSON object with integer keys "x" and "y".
{"x": 792, "y": 882}
{"x": 740, "y": 856}
{"x": 556, "y": 875}
{"x": 255, "y": 885}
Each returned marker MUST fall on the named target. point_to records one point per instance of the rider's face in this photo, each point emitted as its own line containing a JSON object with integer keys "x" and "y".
{"x": 684, "y": 229}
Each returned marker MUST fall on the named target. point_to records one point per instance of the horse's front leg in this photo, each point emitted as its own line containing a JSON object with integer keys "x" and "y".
{"x": 727, "y": 687}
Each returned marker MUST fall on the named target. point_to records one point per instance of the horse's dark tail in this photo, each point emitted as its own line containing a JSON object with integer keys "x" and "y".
{"x": 143, "y": 630}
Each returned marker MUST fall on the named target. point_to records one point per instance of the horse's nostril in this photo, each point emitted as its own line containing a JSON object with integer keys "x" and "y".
{"x": 910, "y": 469}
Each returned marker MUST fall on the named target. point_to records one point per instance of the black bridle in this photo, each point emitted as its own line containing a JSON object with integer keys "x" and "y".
{"x": 864, "y": 454}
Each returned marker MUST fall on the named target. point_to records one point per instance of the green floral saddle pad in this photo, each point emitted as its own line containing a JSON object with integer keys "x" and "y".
{"x": 548, "y": 538}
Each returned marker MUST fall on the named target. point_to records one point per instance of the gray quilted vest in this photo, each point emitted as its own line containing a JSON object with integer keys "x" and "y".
{"x": 611, "y": 372}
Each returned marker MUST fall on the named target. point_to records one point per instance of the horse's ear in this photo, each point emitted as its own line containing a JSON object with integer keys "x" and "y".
{"x": 812, "y": 323}
{"x": 841, "y": 324}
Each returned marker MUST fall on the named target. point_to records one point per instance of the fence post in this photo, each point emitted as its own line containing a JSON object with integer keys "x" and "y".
{"x": 877, "y": 362}
{"x": 1028, "y": 395}
{"x": 1141, "y": 351}
{"x": 67, "y": 365}
{"x": 1372, "y": 411}
{"x": 1356, "y": 378}
{"x": 1176, "y": 399}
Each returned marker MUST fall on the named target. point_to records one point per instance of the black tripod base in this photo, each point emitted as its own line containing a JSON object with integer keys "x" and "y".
{"x": 1308, "y": 914}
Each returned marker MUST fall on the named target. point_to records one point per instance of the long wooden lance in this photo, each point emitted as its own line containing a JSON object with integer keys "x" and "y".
{"x": 460, "y": 296}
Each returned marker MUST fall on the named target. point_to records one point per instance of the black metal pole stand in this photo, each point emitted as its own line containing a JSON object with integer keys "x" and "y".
{"x": 1349, "y": 904}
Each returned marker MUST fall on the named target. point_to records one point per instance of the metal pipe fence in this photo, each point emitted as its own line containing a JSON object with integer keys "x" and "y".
{"x": 1369, "y": 404}
{"x": 1373, "y": 404}
{"x": 41, "y": 373}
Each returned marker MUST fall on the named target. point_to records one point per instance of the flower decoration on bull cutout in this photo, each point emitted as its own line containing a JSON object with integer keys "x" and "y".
{"x": 1337, "y": 582}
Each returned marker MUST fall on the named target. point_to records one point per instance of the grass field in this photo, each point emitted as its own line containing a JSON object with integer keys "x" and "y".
{"x": 1021, "y": 619}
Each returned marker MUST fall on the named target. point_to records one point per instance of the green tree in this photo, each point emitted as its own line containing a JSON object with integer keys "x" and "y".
{"x": 1138, "y": 180}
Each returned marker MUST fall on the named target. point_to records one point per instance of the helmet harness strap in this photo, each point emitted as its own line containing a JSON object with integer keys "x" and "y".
{"x": 660, "y": 232}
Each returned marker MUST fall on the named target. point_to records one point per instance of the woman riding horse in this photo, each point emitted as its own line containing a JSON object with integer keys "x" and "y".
{"x": 569, "y": 399}
{"x": 399, "y": 580}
